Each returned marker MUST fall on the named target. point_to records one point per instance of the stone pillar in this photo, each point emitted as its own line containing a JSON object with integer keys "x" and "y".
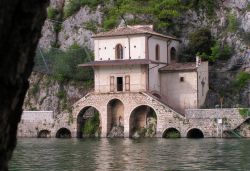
{"x": 104, "y": 122}
{"x": 126, "y": 122}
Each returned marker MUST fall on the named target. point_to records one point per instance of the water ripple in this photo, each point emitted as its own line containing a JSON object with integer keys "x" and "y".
{"x": 126, "y": 154}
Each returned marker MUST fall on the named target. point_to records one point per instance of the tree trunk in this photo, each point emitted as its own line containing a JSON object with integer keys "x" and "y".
{"x": 20, "y": 29}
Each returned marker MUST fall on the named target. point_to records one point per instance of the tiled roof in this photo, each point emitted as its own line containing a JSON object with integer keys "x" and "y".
{"x": 130, "y": 30}
{"x": 119, "y": 62}
{"x": 189, "y": 66}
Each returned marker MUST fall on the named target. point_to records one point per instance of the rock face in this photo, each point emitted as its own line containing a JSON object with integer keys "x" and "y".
{"x": 21, "y": 24}
{"x": 49, "y": 95}
{"x": 73, "y": 29}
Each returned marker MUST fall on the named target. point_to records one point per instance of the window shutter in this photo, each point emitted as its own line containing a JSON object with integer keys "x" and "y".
{"x": 112, "y": 83}
{"x": 127, "y": 83}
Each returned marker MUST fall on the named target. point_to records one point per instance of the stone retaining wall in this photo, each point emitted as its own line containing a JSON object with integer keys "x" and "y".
{"x": 203, "y": 119}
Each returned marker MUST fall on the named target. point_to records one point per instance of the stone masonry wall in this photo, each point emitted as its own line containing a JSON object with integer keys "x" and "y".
{"x": 206, "y": 120}
{"x": 202, "y": 119}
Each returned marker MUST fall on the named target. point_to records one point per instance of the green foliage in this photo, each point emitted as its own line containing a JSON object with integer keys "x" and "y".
{"x": 200, "y": 41}
{"x": 90, "y": 3}
{"x": 91, "y": 126}
{"x": 232, "y": 23}
{"x": 72, "y": 7}
{"x": 75, "y": 5}
{"x": 141, "y": 132}
{"x": 248, "y": 7}
{"x": 173, "y": 134}
{"x": 65, "y": 64}
{"x": 110, "y": 23}
{"x": 57, "y": 27}
{"x": 208, "y": 6}
{"x": 52, "y": 13}
{"x": 159, "y": 12}
{"x": 218, "y": 52}
{"x": 244, "y": 112}
{"x": 35, "y": 89}
{"x": 61, "y": 94}
{"x": 242, "y": 79}
{"x": 91, "y": 25}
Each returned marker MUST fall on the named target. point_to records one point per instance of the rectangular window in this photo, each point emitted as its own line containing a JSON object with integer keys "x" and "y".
{"x": 112, "y": 83}
{"x": 127, "y": 83}
{"x": 181, "y": 79}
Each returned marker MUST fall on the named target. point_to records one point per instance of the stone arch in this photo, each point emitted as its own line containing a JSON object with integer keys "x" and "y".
{"x": 44, "y": 134}
{"x": 195, "y": 133}
{"x": 173, "y": 55}
{"x": 171, "y": 133}
{"x": 118, "y": 51}
{"x": 143, "y": 122}
{"x": 63, "y": 133}
{"x": 115, "y": 118}
{"x": 88, "y": 122}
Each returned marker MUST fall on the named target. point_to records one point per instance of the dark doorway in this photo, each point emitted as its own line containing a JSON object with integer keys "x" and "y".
{"x": 43, "y": 134}
{"x": 171, "y": 133}
{"x": 63, "y": 133}
{"x": 119, "y": 84}
{"x": 195, "y": 133}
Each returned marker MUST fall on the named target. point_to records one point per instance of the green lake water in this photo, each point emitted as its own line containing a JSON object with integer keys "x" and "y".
{"x": 127, "y": 154}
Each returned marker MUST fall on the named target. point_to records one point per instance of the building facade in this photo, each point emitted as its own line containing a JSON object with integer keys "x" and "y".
{"x": 137, "y": 59}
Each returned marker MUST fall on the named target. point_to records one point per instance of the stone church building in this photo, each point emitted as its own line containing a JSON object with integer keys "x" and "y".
{"x": 141, "y": 90}
{"x": 134, "y": 60}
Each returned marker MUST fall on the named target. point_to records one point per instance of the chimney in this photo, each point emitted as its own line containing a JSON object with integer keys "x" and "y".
{"x": 198, "y": 61}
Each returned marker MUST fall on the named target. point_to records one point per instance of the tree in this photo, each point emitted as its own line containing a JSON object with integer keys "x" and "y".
{"x": 159, "y": 12}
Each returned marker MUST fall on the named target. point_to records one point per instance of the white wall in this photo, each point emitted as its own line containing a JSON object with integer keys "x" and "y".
{"x": 105, "y": 47}
{"x": 202, "y": 75}
{"x": 152, "y": 42}
{"x": 37, "y": 116}
{"x": 180, "y": 95}
{"x": 154, "y": 77}
{"x": 137, "y": 77}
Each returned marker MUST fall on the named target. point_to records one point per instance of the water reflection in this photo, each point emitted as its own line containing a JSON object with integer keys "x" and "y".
{"x": 127, "y": 154}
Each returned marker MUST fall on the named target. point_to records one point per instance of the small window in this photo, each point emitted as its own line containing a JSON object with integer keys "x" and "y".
{"x": 181, "y": 79}
{"x": 157, "y": 52}
{"x": 173, "y": 54}
{"x": 119, "y": 51}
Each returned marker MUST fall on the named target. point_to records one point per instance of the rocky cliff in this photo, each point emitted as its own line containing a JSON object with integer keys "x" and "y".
{"x": 46, "y": 93}
{"x": 230, "y": 24}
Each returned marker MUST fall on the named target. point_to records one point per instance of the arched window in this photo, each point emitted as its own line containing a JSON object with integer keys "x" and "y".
{"x": 157, "y": 52}
{"x": 173, "y": 54}
{"x": 119, "y": 52}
